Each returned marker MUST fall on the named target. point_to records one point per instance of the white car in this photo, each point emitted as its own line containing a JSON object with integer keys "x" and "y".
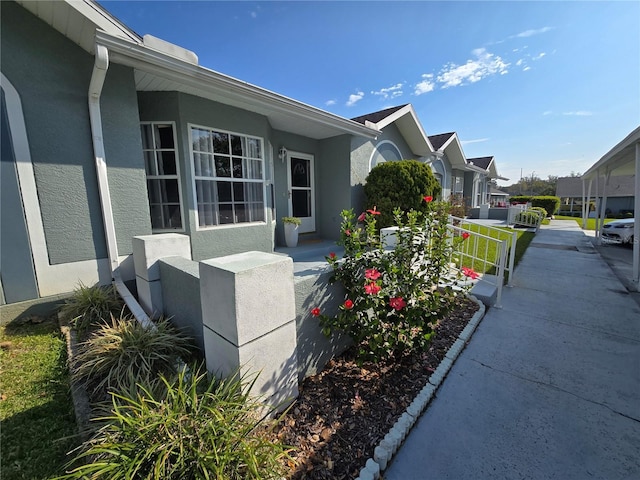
{"x": 618, "y": 231}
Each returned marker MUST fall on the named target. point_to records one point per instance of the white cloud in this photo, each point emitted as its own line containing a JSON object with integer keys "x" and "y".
{"x": 579, "y": 113}
{"x": 253, "y": 14}
{"x": 477, "y": 140}
{"x": 328, "y": 103}
{"x": 519, "y": 62}
{"x": 390, "y": 92}
{"x": 539, "y": 56}
{"x": 354, "y": 98}
{"x": 484, "y": 65}
{"x": 426, "y": 85}
{"x": 548, "y": 112}
{"x": 527, "y": 68}
{"x": 531, "y": 33}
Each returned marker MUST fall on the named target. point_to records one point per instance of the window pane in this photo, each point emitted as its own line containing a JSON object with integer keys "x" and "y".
{"x": 220, "y": 142}
{"x": 236, "y": 145}
{"x": 207, "y": 217}
{"x": 164, "y": 136}
{"x": 257, "y": 212}
{"x": 242, "y": 213}
{"x": 238, "y": 191}
{"x": 300, "y": 172}
{"x": 167, "y": 163}
{"x": 154, "y": 191}
{"x": 253, "y": 148}
{"x": 226, "y": 213}
{"x": 174, "y": 216}
{"x": 156, "y": 217}
{"x": 147, "y": 138}
{"x": 237, "y": 168}
{"x": 150, "y": 163}
{"x": 223, "y": 166}
{"x": 171, "y": 191}
{"x": 253, "y": 169}
{"x": 301, "y": 200}
{"x": 254, "y": 192}
{"x": 224, "y": 191}
{"x": 201, "y": 140}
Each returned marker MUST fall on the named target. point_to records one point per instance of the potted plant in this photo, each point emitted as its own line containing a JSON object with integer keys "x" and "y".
{"x": 291, "y": 225}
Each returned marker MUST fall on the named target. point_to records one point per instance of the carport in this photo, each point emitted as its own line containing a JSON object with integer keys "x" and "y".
{"x": 623, "y": 159}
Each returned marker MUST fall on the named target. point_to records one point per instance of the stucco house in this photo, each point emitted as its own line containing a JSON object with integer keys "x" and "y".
{"x": 620, "y": 195}
{"x": 108, "y": 135}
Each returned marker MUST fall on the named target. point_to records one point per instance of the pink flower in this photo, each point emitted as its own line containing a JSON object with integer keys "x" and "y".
{"x": 428, "y": 198}
{"x": 469, "y": 272}
{"x": 372, "y": 288}
{"x": 373, "y": 211}
{"x": 315, "y": 312}
{"x": 465, "y": 235}
{"x": 348, "y": 304}
{"x": 397, "y": 303}
{"x": 372, "y": 274}
{"x": 347, "y": 232}
{"x": 332, "y": 255}
{"x": 362, "y": 217}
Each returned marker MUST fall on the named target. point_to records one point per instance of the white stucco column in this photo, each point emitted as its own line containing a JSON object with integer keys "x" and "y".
{"x": 636, "y": 228}
{"x": 248, "y": 316}
{"x": 147, "y": 250}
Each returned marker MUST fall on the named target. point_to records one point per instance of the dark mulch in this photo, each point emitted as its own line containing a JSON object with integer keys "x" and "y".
{"x": 346, "y": 410}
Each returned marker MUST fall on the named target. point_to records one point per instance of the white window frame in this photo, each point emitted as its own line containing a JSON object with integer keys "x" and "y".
{"x": 177, "y": 176}
{"x": 262, "y": 181}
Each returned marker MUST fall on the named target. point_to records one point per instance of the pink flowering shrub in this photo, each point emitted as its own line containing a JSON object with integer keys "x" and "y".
{"x": 394, "y": 298}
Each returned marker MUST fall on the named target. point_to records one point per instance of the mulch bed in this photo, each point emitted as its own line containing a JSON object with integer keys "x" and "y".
{"x": 343, "y": 412}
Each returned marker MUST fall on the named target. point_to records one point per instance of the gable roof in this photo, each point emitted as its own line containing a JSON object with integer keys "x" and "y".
{"x": 405, "y": 118}
{"x": 439, "y": 140}
{"x": 482, "y": 162}
{"x": 162, "y": 66}
{"x": 619, "y": 186}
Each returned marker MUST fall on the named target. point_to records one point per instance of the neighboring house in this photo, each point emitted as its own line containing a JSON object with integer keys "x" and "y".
{"x": 620, "y": 194}
{"x": 498, "y": 198}
{"x": 107, "y": 136}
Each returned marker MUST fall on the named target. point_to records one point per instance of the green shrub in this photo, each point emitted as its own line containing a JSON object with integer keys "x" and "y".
{"x": 541, "y": 210}
{"x": 549, "y": 203}
{"x": 91, "y": 306}
{"x": 395, "y": 298}
{"x": 200, "y": 428}
{"x": 123, "y": 352}
{"x": 402, "y": 184}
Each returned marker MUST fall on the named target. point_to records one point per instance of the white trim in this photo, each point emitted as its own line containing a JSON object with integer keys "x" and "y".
{"x": 443, "y": 185}
{"x": 308, "y": 223}
{"x": 376, "y": 150}
{"x": 50, "y": 279}
{"x": 263, "y": 180}
{"x": 168, "y": 177}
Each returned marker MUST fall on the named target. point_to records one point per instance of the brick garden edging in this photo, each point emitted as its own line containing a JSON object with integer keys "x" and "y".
{"x": 386, "y": 449}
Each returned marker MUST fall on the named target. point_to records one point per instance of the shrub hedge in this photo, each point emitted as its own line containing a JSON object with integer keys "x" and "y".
{"x": 402, "y": 184}
{"x": 550, "y": 203}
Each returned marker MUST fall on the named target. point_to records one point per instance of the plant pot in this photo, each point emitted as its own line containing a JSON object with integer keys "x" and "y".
{"x": 291, "y": 234}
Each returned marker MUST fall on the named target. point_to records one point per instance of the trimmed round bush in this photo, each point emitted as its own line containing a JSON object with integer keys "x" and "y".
{"x": 402, "y": 184}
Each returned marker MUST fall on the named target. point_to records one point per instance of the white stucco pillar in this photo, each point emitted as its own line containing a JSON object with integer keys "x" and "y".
{"x": 636, "y": 228}
{"x": 248, "y": 316}
{"x": 147, "y": 250}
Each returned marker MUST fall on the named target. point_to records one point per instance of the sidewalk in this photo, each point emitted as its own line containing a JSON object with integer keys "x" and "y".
{"x": 549, "y": 385}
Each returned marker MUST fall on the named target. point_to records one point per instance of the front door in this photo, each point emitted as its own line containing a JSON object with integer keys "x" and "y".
{"x": 301, "y": 194}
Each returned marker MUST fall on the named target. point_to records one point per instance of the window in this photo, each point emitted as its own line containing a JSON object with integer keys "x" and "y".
{"x": 163, "y": 184}
{"x": 457, "y": 186}
{"x": 229, "y": 177}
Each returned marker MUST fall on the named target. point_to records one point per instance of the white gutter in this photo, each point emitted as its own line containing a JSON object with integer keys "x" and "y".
{"x": 100, "y": 68}
{"x": 95, "y": 89}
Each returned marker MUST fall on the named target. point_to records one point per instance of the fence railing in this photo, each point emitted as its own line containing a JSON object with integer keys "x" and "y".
{"x": 488, "y": 250}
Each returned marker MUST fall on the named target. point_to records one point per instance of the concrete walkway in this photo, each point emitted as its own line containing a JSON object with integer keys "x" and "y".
{"x": 549, "y": 385}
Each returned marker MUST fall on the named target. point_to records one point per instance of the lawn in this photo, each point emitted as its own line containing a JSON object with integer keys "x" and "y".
{"x": 488, "y": 249}
{"x": 38, "y": 423}
{"x": 591, "y": 222}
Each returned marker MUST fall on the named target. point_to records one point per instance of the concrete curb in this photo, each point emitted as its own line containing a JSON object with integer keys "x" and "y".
{"x": 389, "y": 445}
{"x": 79, "y": 396}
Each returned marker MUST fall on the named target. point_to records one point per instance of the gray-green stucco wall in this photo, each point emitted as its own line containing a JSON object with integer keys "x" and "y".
{"x": 334, "y": 186}
{"x": 186, "y": 110}
{"x": 52, "y": 75}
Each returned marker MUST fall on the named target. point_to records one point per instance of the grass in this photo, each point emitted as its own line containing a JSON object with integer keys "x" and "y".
{"x": 591, "y": 222}
{"x": 38, "y": 423}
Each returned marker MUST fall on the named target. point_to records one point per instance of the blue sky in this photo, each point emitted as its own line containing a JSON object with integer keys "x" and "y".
{"x": 545, "y": 87}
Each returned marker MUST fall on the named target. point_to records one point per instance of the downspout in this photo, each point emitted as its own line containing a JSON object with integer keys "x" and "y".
{"x": 100, "y": 68}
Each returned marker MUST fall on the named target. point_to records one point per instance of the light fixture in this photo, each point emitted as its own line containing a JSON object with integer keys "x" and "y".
{"x": 282, "y": 154}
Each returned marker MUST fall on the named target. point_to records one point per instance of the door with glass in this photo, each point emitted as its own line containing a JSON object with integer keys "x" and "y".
{"x": 301, "y": 190}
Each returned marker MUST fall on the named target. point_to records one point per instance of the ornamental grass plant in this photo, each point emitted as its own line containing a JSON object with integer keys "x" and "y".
{"x": 123, "y": 352}
{"x": 91, "y": 306}
{"x": 199, "y": 428}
